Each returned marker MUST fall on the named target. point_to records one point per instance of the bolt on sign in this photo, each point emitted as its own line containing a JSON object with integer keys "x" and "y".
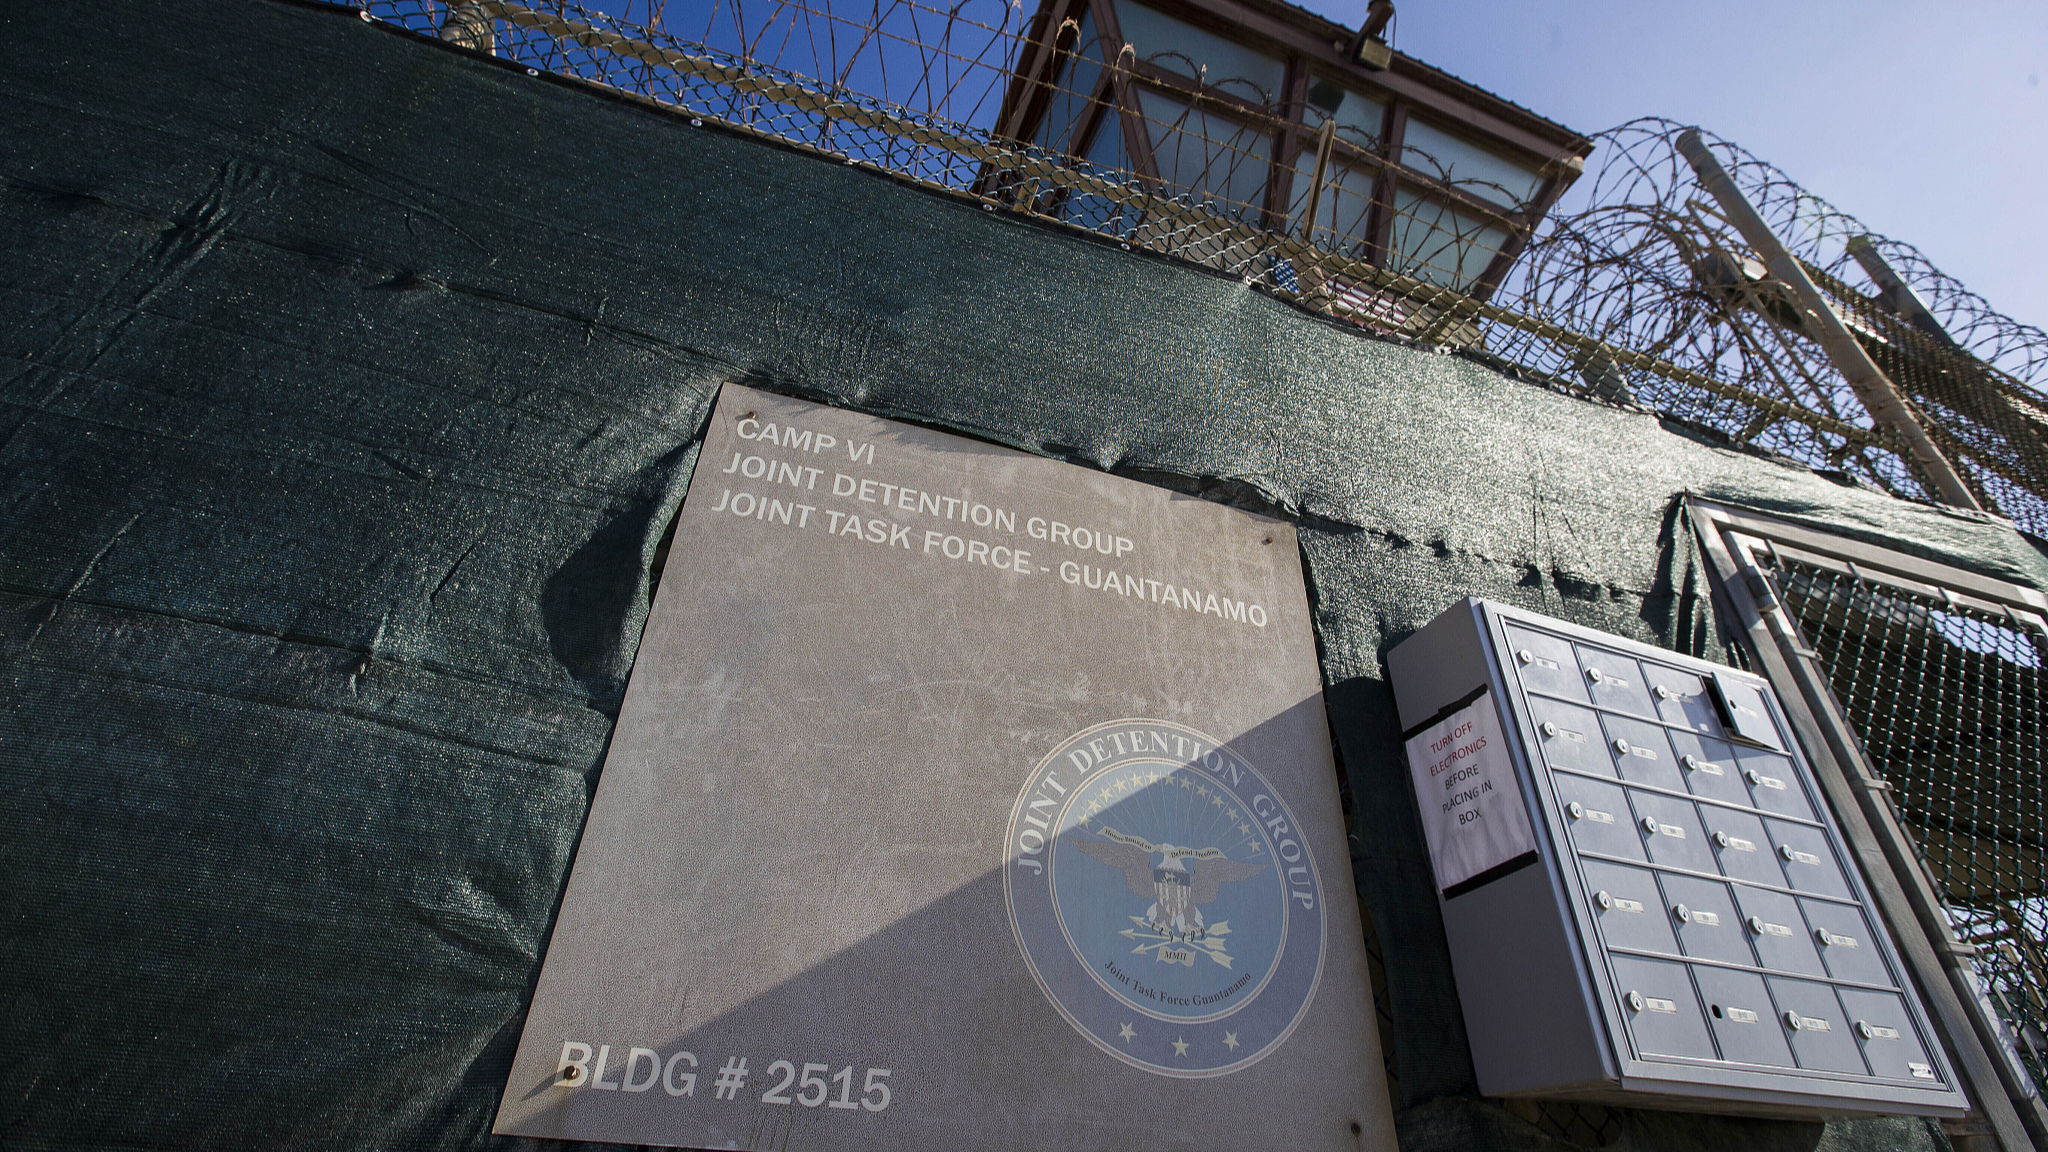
{"x": 960, "y": 798}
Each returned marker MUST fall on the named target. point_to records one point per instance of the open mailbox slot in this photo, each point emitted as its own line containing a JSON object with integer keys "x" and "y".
{"x": 1743, "y": 714}
{"x": 1647, "y": 900}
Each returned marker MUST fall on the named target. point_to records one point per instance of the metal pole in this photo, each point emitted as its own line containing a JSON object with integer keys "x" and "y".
{"x": 1896, "y": 292}
{"x": 1315, "y": 183}
{"x": 1879, "y": 395}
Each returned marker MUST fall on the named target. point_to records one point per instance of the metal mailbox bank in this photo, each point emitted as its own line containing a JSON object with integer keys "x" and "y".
{"x": 1646, "y": 900}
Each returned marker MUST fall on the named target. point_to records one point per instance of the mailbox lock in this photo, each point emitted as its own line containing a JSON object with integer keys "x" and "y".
{"x": 1549, "y": 728}
{"x": 1794, "y": 1020}
{"x": 1603, "y": 899}
{"x": 1755, "y": 777}
{"x": 1691, "y": 761}
{"x": 1786, "y": 851}
{"x": 1662, "y": 692}
{"x": 1524, "y": 656}
{"x": 1620, "y": 746}
{"x": 1577, "y": 809}
{"x": 1593, "y": 674}
{"x": 1721, "y": 838}
{"x": 1650, "y": 825}
{"x": 1824, "y": 936}
{"x": 1635, "y": 1001}
{"x": 1756, "y": 925}
{"x": 1683, "y": 913}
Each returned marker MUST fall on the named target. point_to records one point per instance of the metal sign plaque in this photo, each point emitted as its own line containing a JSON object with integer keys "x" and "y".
{"x": 960, "y": 797}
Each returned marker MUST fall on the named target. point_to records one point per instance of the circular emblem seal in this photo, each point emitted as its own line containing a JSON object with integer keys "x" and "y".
{"x": 1164, "y": 898}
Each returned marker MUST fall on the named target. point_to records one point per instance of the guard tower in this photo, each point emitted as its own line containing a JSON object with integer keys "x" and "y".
{"x": 1270, "y": 116}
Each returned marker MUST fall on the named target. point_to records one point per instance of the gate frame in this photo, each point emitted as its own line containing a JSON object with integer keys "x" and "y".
{"x": 2007, "y": 1102}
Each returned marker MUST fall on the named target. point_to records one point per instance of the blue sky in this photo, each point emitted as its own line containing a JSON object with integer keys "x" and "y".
{"x": 1928, "y": 122}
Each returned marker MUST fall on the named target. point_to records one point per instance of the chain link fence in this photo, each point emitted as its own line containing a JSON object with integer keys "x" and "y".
{"x": 1949, "y": 698}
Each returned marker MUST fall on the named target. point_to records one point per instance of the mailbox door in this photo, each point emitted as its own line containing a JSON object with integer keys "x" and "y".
{"x": 1682, "y": 699}
{"x": 1747, "y": 713}
{"x": 1813, "y": 1024}
{"x": 1615, "y": 681}
{"x": 1740, "y": 1013}
{"x": 1662, "y": 1011}
{"x": 1629, "y": 908}
{"x": 1704, "y": 918}
{"x": 1740, "y": 845}
{"x": 1597, "y": 816}
{"x": 1570, "y": 737}
{"x": 1842, "y": 936}
{"x": 1671, "y": 832}
{"x": 1778, "y": 931}
{"x": 1807, "y": 858}
{"x": 1885, "y": 1032}
{"x": 1545, "y": 664}
{"x": 1773, "y": 783}
{"x": 1641, "y": 754}
{"x": 1710, "y": 768}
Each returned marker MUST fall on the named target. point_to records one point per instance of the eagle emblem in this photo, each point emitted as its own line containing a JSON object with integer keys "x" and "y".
{"x": 1183, "y": 882}
{"x": 1187, "y": 940}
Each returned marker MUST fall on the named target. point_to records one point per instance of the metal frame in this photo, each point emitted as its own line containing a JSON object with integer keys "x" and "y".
{"x": 1904, "y": 892}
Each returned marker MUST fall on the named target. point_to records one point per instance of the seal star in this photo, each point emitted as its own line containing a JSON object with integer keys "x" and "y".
{"x": 1127, "y": 1032}
{"x": 1180, "y": 1047}
{"x": 1230, "y": 1041}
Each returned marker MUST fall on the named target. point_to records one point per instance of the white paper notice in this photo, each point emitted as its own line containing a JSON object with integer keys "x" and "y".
{"x": 1472, "y": 811}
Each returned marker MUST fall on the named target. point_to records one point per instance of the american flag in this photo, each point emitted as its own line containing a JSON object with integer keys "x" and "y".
{"x": 1367, "y": 306}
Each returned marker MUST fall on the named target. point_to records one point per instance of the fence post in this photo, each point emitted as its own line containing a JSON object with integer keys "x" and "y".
{"x": 1315, "y": 183}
